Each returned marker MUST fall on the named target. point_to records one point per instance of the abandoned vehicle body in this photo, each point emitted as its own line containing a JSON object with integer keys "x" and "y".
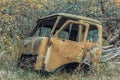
{"x": 62, "y": 39}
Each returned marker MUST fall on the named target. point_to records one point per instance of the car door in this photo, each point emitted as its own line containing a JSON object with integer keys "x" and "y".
{"x": 64, "y": 47}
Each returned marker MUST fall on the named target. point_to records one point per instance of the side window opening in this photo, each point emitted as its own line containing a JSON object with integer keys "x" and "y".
{"x": 73, "y": 34}
{"x": 70, "y": 32}
{"x": 81, "y": 33}
{"x": 92, "y": 34}
{"x": 64, "y": 34}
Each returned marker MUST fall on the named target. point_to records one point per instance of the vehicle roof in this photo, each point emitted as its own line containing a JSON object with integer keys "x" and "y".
{"x": 71, "y": 16}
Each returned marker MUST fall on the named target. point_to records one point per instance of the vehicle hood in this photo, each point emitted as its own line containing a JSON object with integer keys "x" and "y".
{"x": 31, "y": 45}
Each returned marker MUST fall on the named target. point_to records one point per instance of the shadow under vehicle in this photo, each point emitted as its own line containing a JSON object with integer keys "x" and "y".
{"x": 61, "y": 41}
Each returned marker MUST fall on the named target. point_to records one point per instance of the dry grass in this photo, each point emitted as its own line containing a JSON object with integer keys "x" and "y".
{"x": 8, "y": 72}
{"x": 18, "y": 74}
